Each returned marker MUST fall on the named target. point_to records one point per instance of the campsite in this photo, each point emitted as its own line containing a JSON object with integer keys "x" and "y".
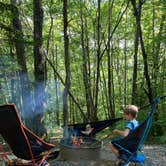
{"x": 82, "y": 83}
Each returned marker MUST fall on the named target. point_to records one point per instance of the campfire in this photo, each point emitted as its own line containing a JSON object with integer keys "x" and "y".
{"x": 80, "y": 148}
{"x": 78, "y": 141}
{"x": 81, "y": 143}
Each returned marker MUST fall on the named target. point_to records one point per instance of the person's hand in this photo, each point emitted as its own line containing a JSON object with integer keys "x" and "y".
{"x": 83, "y": 132}
{"x": 115, "y": 131}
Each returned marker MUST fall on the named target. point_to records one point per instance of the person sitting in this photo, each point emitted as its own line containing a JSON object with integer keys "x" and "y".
{"x": 130, "y": 114}
{"x": 88, "y": 130}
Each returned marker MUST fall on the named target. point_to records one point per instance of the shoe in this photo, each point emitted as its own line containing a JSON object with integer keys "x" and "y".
{"x": 45, "y": 163}
{"x": 122, "y": 164}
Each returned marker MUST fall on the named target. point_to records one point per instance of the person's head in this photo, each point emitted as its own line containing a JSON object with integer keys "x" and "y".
{"x": 88, "y": 126}
{"x": 130, "y": 112}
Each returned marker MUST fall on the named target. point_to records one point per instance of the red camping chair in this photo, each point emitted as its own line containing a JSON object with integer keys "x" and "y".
{"x": 23, "y": 143}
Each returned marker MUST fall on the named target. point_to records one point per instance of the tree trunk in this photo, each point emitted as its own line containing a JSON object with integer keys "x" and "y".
{"x": 39, "y": 66}
{"x": 137, "y": 13}
{"x": 136, "y": 44}
{"x": 98, "y": 64}
{"x": 156, "y": 53}
{"x": 56, "y": 87}
{"x": 86, "y": 78}
{"x": 125, "y": 65}
{"x": 109, "y": 64}
{"x": 67, "y": 67}
{"x": 26, "y": 109}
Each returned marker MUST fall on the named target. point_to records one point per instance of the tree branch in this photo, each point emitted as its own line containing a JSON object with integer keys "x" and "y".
{"x": 113, "y": 31}
{"x": 68, "y": 91}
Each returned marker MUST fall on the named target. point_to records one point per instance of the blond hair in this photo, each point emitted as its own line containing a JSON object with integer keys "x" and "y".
{"x": 132, "y": 110}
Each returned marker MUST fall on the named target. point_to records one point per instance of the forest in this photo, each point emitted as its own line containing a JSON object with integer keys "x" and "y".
{"x": 73, "y": 61}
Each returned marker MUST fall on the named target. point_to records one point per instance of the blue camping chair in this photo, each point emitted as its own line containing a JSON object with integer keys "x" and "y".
{"x": 131, "y": 145}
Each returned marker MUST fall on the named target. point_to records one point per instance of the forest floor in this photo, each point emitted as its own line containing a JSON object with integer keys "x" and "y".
{"x": 156, "y": 154}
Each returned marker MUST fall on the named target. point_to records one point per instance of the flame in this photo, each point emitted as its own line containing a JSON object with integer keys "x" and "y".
{"x": 78, "y": 141}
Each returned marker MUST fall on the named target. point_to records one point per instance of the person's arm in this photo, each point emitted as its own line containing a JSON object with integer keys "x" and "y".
{"x": 87, "y": 132}
{"x": 122, "y": 133}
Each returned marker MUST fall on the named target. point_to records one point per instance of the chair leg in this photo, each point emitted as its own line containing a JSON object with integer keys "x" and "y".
{"x": 147, "y": 162}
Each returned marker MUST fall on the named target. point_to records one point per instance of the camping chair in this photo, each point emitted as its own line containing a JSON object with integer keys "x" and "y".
{"x": 131, "y": 145}
{"x": 23, "y": 143}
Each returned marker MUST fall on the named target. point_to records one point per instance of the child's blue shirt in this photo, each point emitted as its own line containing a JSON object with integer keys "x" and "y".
{"x": 132, "y": 124}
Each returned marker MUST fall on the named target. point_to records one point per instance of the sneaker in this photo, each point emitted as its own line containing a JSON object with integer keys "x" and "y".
{"x": 119, "y": 164}
{"x": 45, "y": 163}
{"x": 122, "y": 164}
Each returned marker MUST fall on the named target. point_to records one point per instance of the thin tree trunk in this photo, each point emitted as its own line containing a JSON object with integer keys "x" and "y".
{"x": 134, "y": 83}
{"x": 156, "y": 53}
{"x": 125, "y": 65}
{"x": 86, "y": 78}
{"x": 98, "y": 64}
{"x": 67, "y": 67}
{"x": 137, "y": 13}
{"x": 110, "y": 69}
{"x": 56, "y": 87}
{"x": 104, "y": 94}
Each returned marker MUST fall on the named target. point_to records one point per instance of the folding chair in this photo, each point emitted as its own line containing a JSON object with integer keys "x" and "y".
{"x": 23, "y": 143}
{"x": 131, "y": 145}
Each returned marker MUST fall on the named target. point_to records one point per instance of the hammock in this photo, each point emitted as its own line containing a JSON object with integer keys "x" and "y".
{"x": 97, "y": 126}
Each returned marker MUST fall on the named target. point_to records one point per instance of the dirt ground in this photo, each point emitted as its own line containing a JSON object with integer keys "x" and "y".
{"x": 156, "y": 154}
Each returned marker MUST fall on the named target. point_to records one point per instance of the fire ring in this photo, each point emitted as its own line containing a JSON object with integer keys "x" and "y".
{"x": 89, "y": 150}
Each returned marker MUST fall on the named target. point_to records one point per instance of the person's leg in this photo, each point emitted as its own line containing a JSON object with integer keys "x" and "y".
{"x": 114, "y": 149}
{"x": 116, "y": 152}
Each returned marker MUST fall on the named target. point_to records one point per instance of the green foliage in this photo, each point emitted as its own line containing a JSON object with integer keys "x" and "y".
{"x": 121, "y": 52}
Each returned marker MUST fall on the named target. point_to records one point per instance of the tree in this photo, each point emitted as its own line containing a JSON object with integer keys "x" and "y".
{"x": 137, "y": 7}
{"x": 18, "y": 39}
{"x": 136, "y": 45}
{"x": 67, "y": 67}
{"x": 39, "y": 69}
{"x": 111, "y": 105}
{"x": 85, "y": 66}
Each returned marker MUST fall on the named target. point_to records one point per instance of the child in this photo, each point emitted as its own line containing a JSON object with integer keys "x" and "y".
{"x": 88, "y": 130}
{"x": 130, "y": 114}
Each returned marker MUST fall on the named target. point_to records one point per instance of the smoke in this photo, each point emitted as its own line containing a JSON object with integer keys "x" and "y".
{"x": 31, "y": 98}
